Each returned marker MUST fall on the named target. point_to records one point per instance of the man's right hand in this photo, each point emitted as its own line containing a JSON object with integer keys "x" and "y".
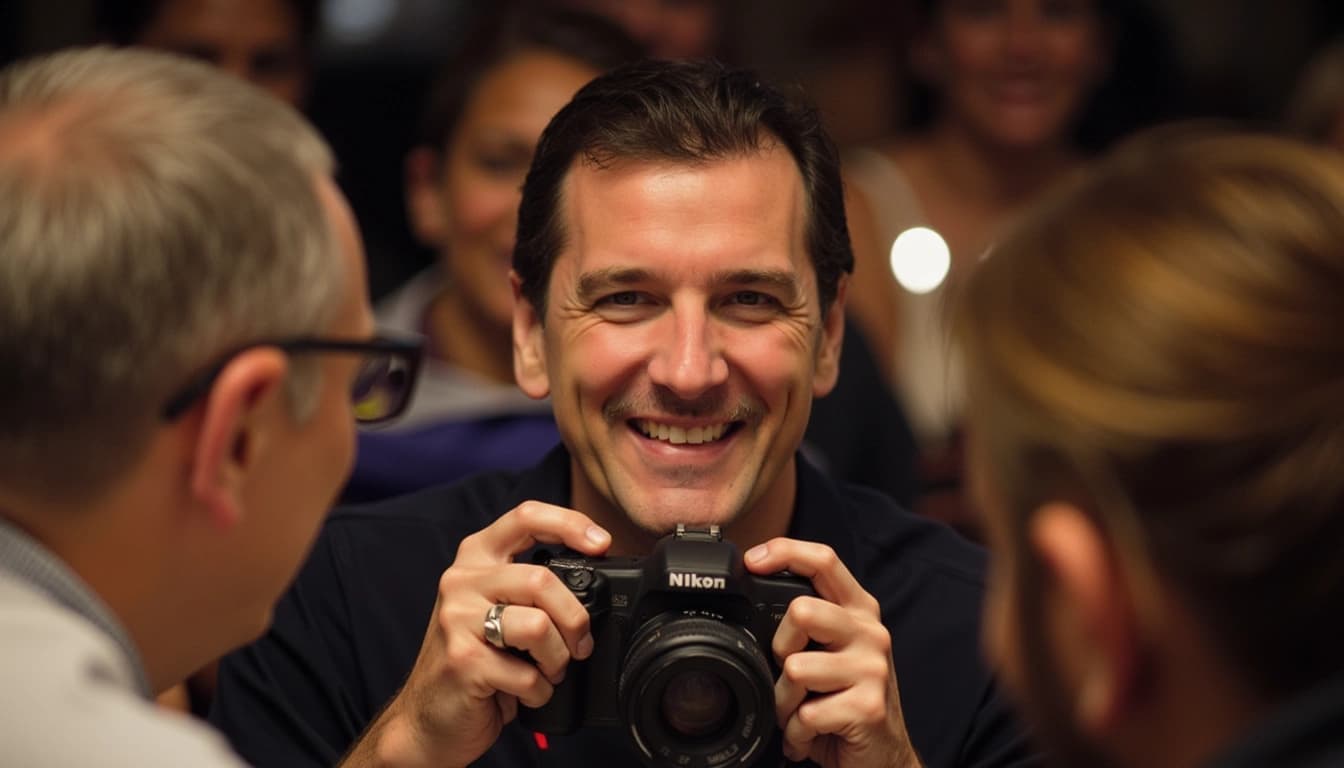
{"x": 463, "y": 690}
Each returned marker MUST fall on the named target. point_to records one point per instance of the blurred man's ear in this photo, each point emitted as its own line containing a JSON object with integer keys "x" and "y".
{"x": 1091, "y": 617}
{"x": 425, "y": 208}
{"x": 827, "y": 370}
{"x": 236, "y": 424}
{"x": 529, "y": 344}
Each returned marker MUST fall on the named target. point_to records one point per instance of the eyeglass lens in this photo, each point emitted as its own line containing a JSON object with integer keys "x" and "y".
{"x": 380, "y": 387}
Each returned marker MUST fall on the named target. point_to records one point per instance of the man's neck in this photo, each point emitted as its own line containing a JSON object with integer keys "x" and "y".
{"x": 764, "y": 519}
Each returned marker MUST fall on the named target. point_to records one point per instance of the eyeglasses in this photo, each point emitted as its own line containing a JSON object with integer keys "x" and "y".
{"x": 382, "y": 386}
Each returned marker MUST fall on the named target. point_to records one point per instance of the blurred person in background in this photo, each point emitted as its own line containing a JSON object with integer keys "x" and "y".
{"x": 183, "y": 322}
{"x": 1001, "y": 85}
{"x": 463, "y": 184}
{"x": 1155, "y": 371}
{"x": 669, "y": 29}
{"x": 266, "y": 42}
{"x": 1316, "y": 110}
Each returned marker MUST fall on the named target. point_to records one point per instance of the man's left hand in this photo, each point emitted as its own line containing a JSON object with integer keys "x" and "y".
{"x": 837, "y": 702}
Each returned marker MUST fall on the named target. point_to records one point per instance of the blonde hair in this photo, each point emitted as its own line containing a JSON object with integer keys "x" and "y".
{"x": 1163, "y": 343}
{"x": 154, "y": 215}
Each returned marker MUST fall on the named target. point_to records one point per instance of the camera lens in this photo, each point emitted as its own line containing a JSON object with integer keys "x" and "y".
{"x": 698, "y": 704}
{"x": 696, "y": 692}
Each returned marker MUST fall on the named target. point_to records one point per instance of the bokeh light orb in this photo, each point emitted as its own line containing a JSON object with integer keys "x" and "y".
{"x": 920, "y": 259}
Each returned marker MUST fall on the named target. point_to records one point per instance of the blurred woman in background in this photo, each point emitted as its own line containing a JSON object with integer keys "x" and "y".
{"x": 463, "y": 182}
{"x": 1000, "y": 89}
{"x": 1315, "y": 112}
{"x": 266, "y": 42}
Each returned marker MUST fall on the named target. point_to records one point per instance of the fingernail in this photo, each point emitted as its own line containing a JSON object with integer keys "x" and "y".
{"x": 757, "y": 553}
{"x": 597, "y": 535}
{"x": 585, "y": 647}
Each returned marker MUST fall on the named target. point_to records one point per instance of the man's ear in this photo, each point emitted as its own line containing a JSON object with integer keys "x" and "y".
{"x": 1091, "y": 614}
{"x": 236, "y": 423}
{"x": 827, "y": 370}
{"x": 529, "y": 344}
{"x": 425, "y": 209}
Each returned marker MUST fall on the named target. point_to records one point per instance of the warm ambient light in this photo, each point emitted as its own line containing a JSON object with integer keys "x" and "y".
{"x": 920, "y": 259}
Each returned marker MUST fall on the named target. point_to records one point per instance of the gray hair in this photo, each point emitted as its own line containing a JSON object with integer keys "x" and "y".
{"x": 155, "y": 215}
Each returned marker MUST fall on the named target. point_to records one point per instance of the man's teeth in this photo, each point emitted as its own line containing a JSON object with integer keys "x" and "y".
{"x": 679, "y": 435}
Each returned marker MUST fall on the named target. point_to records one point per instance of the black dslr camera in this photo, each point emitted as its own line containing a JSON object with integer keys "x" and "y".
{"x": 682, "y": 658}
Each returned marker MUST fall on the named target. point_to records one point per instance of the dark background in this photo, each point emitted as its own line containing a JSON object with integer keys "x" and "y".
{"x": 1229, "y": 59}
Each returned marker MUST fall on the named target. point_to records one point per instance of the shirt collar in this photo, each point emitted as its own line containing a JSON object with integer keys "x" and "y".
{"x": 27, "y": 560}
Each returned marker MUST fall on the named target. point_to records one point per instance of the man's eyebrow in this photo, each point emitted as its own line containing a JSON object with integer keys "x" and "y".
{"x": 599, "y": 281}
{"x": 594, "y": 283}
{"x": 781, "y": 280}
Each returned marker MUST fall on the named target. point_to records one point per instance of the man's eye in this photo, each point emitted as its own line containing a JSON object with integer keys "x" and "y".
{"x": 622, "y": 299}
{"x": 751, "y": 298}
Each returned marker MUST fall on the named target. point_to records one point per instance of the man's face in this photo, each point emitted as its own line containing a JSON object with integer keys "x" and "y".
{"x": 683, "y": 340}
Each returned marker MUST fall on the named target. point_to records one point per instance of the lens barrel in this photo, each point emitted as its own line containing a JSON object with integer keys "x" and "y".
{"x": 696, "y": 692}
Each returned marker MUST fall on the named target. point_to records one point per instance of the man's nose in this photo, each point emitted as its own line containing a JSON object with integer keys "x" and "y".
{"x": 689, "y": 357}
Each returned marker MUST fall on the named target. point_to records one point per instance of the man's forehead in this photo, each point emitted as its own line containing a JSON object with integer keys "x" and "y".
{"x": 765, "y": 186}
{"x": 641, "y": 221}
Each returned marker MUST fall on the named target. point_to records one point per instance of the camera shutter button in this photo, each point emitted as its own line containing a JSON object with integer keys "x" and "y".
{"x": 579, "y": 579}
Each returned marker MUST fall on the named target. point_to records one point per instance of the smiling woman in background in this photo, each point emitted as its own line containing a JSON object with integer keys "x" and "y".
{"x": 266, "y": 42}
{"x": 463, "y": 184}
{"x": 1000, "y": 85}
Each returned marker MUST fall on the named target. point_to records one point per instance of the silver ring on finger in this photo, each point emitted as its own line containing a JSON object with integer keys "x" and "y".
{"x": 494, "y": 625}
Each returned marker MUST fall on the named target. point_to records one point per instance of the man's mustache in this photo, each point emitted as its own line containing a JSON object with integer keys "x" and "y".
{"x": 659, "y": 402}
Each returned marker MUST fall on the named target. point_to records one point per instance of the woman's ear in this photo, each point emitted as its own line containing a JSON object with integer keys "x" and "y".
{"x": 529, "y": 344}
{"x": 425, "y": 209}
{"x": 239, "y": 414}
{"x": 1092, "y": 615}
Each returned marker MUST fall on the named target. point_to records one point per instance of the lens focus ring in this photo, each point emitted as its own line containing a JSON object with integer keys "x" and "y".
{"x": 696, "y": 692}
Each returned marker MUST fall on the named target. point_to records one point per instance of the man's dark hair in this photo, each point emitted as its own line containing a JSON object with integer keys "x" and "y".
{"x": 687, "y": 112}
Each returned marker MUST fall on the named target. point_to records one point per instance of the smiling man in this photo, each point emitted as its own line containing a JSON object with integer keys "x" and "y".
{"x": 679, "y": 281}
{"x": 683, "y": 343}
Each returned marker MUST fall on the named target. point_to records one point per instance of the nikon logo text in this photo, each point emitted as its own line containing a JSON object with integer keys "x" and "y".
{"x": 696, "y": 581}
